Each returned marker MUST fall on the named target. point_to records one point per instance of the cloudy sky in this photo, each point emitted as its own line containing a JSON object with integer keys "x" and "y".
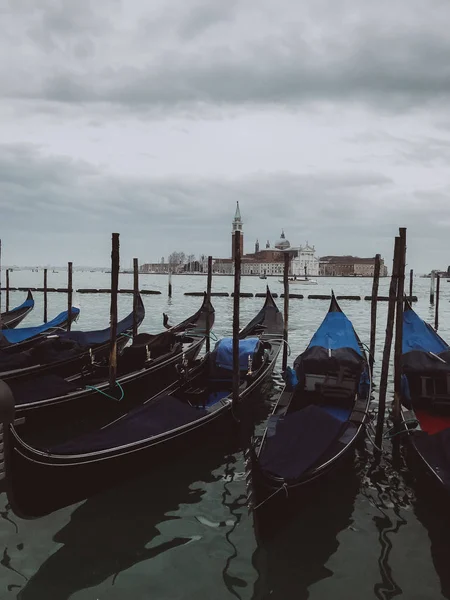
{"x": 328, "y": 118}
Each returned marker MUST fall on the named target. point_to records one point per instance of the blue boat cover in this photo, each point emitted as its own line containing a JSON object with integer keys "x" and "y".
{"x": 418, "y": 335}
{"x": 14, "y": 336}
{"x": 155, "y": 418}
{"x": 299, "y": 440}
{"x": 101, "y": 336}
{"x": 224, "y": 352}
{"x": 336, "y": 331}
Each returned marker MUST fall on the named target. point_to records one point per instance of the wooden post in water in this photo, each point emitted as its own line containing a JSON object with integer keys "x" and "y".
{"x": 373, "y": 311}
{"x": 135, "y": 295}
{"x": 236, "y": 299}
{"x": 69, "y": 295}
{"x": 169, "y": 290}
{"x": 387, "y": 345}
{"x": 113, "y": 311}
{"x": 411, "y": 279}
{"x": 7, "y": 290}
{"x": 432, "y": 278}
{"x": 398, "y": 348}
{"x": 45, "y": 295}
{"x": 286, "y": 310}
{"x": 208, "y": 296}
{"x": 436, "y": 314}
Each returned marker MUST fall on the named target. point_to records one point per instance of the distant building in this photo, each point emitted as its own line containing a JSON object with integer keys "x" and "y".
{"x": 349, "y": 266}
{"x": 154, "y": 268}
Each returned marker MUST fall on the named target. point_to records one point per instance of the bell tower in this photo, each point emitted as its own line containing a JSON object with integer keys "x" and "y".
{"x": 257, "y": 247}
{"x": 237, "y": 226}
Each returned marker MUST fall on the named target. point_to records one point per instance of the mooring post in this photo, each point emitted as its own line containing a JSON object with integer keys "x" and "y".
{"x": 398, "y": 348}
{"x": 432, "y": 280}
{"x": 135, "y": 295}
{"x": 387, "y": 345}
{"x": 45, "y": 295}
{"x": 69, "y": 295}
{"x": 436, "y": 314}
{"x": 411, "y": 279}
{"x": 286, "y": 310}
{"x": 237, "y": 288}
{"x": 170, "y": 284}
{"x": 7, "y": 290}
{"x": 373, "y": 311}
{"x": 113, "y": 311}
{"x": 208, "y": 296}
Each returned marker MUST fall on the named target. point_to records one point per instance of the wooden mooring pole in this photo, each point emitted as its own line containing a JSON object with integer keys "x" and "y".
{"x": 69, "y": 295}
{"x": 45, "y": 295}
{"x": 208, "y": 296}
{"x": 436, "y": 313}
{"x": 287, "y": 263}
{"x": 387, "y": 345}
{"x": 7, "y": 290}
{"x": 432, "y": 281}
{"x": 411, "y": 279}
{"x": 135, "y": 295}
{"x": 113, "y": 310}
{"x": 236, "y": 298}
{"x": 373, "y": 311}
{"x": 398, "y": 348}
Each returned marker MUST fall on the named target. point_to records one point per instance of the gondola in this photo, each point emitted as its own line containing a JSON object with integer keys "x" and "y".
{"x": 319, "y": 415}
{"x": 67, "y": 352}
{"x": 425, "y": 397}
{"x": 39, "y": 461}
{"x": 23, "y": 338}
{"x": 13, "y": 317}
{"x": 148, "y": 365}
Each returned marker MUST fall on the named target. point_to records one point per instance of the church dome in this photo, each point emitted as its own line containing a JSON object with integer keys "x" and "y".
{"x": 282, "y": 243}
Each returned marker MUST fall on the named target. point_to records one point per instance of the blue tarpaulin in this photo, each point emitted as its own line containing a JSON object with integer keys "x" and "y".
{"x": 224, "y": 352}
{"x": 14, "y": 336}
{"x": 336, "y": 331}
{"x": 418, "y": 335}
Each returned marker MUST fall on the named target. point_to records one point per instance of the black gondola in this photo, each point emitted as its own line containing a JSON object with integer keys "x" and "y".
{"x": 147, "y": 366}
{"x": 13, "y": 317}
{"x": 67, "y": 352}
{"x": 426, "y": 396}
{"x": 23, "y": 338}
{"x": 36, "y": 461}
{"x": 318, "y": 416}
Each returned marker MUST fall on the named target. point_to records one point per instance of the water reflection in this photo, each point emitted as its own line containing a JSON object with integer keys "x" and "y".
{"x": 111, "y": 532}
{"x": 296, "y": 541}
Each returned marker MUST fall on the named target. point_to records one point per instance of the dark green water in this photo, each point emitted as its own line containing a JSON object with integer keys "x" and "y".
{"x": 182, "y": 530}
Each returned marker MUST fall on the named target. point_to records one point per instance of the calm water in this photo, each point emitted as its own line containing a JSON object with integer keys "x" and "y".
{"x": 182, "y": 531}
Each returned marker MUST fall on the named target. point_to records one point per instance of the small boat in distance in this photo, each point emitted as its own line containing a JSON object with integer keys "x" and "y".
{"x": 303, "y": 280}
{"x": 263, "y": 276}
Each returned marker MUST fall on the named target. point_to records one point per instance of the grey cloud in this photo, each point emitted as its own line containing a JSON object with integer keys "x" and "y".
{"x": 367, "y": 61}
{"x": 75, "y": 199}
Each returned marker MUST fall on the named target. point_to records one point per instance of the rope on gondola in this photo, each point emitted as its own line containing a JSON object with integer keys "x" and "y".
{"x": 388, "y": 435}
{"x": 96, "y": 389}
{"x": 283, "y": 487}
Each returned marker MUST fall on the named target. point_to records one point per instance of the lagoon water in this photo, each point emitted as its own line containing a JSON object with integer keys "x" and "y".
{"x": 182, "y": 531}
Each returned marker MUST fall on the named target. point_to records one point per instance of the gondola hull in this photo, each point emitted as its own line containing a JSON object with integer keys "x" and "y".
{"x": 426, "y": 398}
{"x": 41, "y": 480}
{"x": 317, "y": 420}
{"x": 87, "y": 348}
{"x": 14, "y": 317}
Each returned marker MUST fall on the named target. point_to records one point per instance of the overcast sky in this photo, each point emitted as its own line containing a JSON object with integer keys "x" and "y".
{"x": 328, "y": 118}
